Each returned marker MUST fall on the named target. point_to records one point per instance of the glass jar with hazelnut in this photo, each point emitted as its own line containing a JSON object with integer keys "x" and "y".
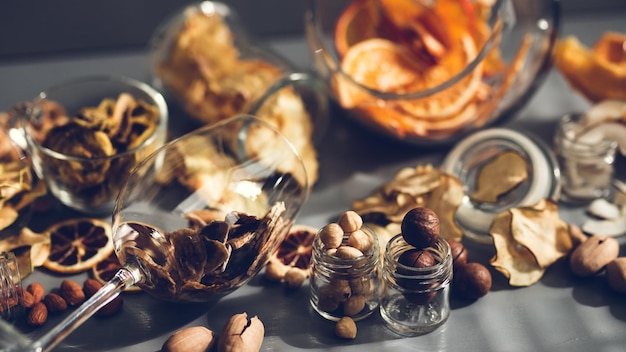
{"x": 346, "y": 275}
{"x": 417, "y": 286}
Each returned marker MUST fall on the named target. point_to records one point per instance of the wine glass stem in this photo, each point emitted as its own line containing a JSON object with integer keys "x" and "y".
{"x": 124, "y": 278}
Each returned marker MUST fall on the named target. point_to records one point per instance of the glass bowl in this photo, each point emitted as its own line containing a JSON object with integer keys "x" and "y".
{"x": 206, "y": 61}
{"x": 84, "y": 136}
{"x": 431, "y": 72}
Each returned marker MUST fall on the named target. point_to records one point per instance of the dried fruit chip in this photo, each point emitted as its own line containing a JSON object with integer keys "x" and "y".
{"x": 540, "y": 229}
{"x": 598, "y": 73}
{"x": 78, "y": 244}
{"x": 512, "y": 259}
{"x": 30, "y": 248}
{"x": 499, "y": 176}
{"x": 528, "y": 240}
{"x": 106, "y": 269}
{"x": 295, "y": 249}
{"x": 422, "y": 186}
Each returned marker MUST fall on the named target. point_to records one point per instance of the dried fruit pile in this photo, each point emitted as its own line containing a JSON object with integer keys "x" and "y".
{"x": 116, "y": 127}
{"x": 403, "y": 47}
{"x": 212, "y": 256}
{"x": 205, "y": 71}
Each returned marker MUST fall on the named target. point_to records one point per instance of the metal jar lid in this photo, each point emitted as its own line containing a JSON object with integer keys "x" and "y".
{"x": 466, "y": 159}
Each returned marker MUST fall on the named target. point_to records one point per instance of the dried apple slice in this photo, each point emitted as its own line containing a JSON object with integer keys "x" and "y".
{"x": 513, "y": 260}
{"x": 613, "y": 131}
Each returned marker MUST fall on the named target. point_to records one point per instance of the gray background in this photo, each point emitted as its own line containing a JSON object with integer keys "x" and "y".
{"x": 35, "y": 28}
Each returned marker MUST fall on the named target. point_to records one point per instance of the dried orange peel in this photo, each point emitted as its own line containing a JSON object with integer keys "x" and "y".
{"x": 598, "y": 73}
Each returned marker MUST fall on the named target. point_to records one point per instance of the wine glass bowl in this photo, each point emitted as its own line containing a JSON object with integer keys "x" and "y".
{"x": 202, "y": 215}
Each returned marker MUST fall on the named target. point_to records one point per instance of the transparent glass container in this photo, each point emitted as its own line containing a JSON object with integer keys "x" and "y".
{"x": 520, "y": 34}
{"x": 416, "y": 300}
{"x": 346, "y": 287}
{"x": 587, "y": 166}
{"x": 11, "y": 306}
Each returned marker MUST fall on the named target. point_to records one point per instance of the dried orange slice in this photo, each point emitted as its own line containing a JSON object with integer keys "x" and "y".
{"x": 356, "y": 23}
{"x": 593, "y": 73}
{"x": 106, "y": 269}
{"x": 296, "y": 249}
{"x": 450, "y": 101}
{"x": 78, "y": 244}
{"x": 378, "y": 64}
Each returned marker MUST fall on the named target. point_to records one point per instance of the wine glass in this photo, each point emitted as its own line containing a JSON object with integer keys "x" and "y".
{"x": 200, "y": 216}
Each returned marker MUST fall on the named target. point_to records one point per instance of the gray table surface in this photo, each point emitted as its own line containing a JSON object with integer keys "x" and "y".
{"x": 560, "y": 313}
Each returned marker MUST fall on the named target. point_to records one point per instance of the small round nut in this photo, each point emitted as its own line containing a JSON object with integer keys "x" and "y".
{"x": 420, "y": 227}
{"x": 348, "y": 252}
{"x": 458, "y": 252}
{"x": 350, "y": 221}
{"x": 472, "y": 281}
{"x": 331, "y": 235}
{"x": 362, "y": 286}
{"x": 616, "y": 274}
{"x": 295, "y": 277}
{"x": 591, "y": 256}
{"x": 346, "y": 328}
{"x": 360, "y": 240}
{"x": 275, "y": 270}
{"x": 416, "y": 258}
{"x": 354, "y": 305}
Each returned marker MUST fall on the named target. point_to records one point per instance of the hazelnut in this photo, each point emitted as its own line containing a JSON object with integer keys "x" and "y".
{"x": 331, "y": 235}
{"x": 420, "y": 227}
{"x": 346, "y": 328}
{"x": 457, "y": 252}
{"x": 354, "y": 305}
{"x": 472, "y": 281}
{"x": 348, "y": 252}
{"x": 295, "y": 277}
{"x": 350, "y": 221}
{"x": 360, "y": 240}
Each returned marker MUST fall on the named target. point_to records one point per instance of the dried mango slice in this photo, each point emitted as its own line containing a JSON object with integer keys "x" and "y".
{"x": 499, "y": 176}
{"x": 594, "y": 74}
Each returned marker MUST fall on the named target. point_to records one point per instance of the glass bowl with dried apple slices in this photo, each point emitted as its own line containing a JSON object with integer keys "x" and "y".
{"x": 431, "y": 72}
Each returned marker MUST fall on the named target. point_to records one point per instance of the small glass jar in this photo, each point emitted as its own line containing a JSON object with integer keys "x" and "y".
{"x": 346, "y": 286}
{"x": 416, "y": 300}
{"x": 586, "y": 162}
{"x": 11, "y": 305}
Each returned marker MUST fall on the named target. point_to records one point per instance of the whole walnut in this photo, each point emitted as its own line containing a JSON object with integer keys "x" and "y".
{"x": 420, "y": 227}
{"x": 458, "y": 252}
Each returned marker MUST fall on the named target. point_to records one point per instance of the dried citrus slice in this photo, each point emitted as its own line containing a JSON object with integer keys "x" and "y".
{"x": 106, "y": 269}
{"x": 295, "y": 250}
{"x": 356, "y": 23}
{"x": 452, "y": 100}
{"x": 379, "y": 64}
{"x": 78, "y": 244}
{"x": 593, "y": 73}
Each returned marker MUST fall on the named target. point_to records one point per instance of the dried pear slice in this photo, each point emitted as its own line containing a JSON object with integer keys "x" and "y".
{"x": 500, "y": 176}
